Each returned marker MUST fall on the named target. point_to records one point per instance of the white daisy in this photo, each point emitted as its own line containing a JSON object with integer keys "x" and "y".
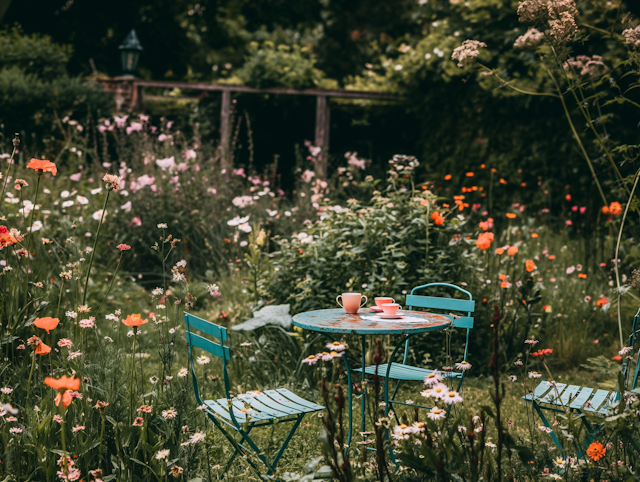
{"x": 436, "y": 414}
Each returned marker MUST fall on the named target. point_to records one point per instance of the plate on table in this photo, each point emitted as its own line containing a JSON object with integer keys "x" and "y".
{"x": 376, "y": 309}
{"x": 397, "y": 316}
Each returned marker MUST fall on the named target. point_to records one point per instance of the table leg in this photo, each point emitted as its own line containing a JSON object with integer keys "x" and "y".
{"x": 362, "y": 387}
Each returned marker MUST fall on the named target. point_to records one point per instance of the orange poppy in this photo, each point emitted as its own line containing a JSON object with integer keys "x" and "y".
{"x": 511, "y": 215}
{"x": 615, "y": 208}
{"x": 447, "y": 177}
{"x": 63, "y": 383}
{"x": 46, "y": 323}
{"x": 484, "y": 241}
{"x": 512, "y": 250}
{"x": 617, "y": 358}
{"x": 499, "y": 251}
{"x": 42, "y": 349}
{"x": 530, "y": 265}
{"x": 424, "y": 202}
{"x": 502, "y": 181}
{"x": 568, "y": 197}
{"x": 482, "y": 166}
{"x": 469, "y": 174}
{"x": 596, "y": 451}
{"x": 502, "y": 277}
{"x": 602, "y": 301}
{"x": 65, "y": 397}
{"x": 44, "y": 166}
{"x": 504, "y": 284}
{"x": 534, "y": 235}
{"x": 582, "y": 275}
{"x": 552, "y": 257}
{"x": 134, "y": 320}
{"x": 605, "y": 209}
{"x": 437, "y": 218}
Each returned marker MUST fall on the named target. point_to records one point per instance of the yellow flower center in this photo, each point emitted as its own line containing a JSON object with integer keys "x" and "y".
{"x": 437, "y": 411}
{"x": 333, "y": 353}
{"x": 452, "y": 394}
{"x": 311, "y": 357}
{"x": 438, "y": 390}
{"x": 403, "y": 426}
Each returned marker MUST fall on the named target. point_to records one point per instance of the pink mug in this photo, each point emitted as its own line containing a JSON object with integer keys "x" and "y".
{"x": 390, "y": 308}
{"x": 351, "y": 302}
{"x": 383, "y": 299}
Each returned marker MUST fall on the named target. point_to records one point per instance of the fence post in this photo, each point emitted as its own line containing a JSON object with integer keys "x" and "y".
{"x": 322, "y": 135}
{"x": 225, "y": 112}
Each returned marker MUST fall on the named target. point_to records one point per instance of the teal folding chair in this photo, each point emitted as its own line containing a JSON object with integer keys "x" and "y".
{"x": 245, "y": 412}
{"x": 560, "y": 397}
{"x": 402, "y": 371}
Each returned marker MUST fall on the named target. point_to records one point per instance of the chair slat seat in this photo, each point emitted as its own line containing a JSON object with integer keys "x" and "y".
{"x": 406, "y": 372}
{"x": 573, "y": 397}
{"x": 263, "y": 406}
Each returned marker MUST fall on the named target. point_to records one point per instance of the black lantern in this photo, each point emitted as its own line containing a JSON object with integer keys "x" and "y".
{"x": 130, "y": 53}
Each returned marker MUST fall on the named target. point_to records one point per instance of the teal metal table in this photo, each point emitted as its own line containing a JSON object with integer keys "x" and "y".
{"x": 336, "y": 321}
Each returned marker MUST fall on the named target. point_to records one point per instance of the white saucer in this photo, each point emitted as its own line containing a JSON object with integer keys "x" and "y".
{"x": 397, "y": 316}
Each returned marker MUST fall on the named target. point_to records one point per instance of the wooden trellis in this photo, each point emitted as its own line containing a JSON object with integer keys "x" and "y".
{"x": 130, "y": 92}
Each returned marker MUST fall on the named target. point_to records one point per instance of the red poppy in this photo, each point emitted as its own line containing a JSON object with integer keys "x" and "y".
{"x": 65, "y": 397}
{"x": 134, "y": 320}
{"x": 42, "y": 349}
{"x": 63, "y": 383}
{"x": 47, "y": 323}
{"x": 44, "y": 166}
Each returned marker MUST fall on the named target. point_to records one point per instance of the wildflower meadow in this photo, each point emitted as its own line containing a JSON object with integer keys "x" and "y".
{"x": 453, "y": 295}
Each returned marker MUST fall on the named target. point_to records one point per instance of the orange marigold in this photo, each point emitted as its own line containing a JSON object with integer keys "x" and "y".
{"x": 437, "y": 218}
{"x": 615, "y": 208}
{"x": 42, "y": 165}
{"x": 596, "y": 451}
{"x": 484, "y": 241}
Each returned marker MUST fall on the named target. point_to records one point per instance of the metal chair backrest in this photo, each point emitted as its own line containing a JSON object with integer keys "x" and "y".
{"x": 216, "y": 349}
{"x": 447, "y": 304}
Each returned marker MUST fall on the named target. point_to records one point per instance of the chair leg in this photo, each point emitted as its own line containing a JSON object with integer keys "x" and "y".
{"x": 286, "y": 442}
{"x": 258, "y": 453}
{"x": 238, "y": 449}
{"x": 546, "y": 424}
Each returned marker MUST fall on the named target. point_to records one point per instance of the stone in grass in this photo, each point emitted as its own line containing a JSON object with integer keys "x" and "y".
{"x": 323, "y": 472}
{"x": 269, "y": 315}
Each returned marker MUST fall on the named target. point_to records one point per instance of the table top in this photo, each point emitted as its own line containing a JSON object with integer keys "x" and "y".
{"x": 337, "y": 321}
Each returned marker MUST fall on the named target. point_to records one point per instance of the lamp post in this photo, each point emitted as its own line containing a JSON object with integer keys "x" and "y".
{"x": 130, "y": 53}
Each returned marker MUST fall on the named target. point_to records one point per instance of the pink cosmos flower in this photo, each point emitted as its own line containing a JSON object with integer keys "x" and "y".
{"x": 75, "y": 177}
{"x": 123, "y": 247}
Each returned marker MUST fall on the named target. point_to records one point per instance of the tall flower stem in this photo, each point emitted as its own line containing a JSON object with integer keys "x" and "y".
{"x": 60, "y": 298}
{"x": 33, "y": 212}
{"x": 16, "y": 143}
{"x": 33, "y": 364}
{"x": 133, "y": 359}
{"x": 113, "y": 278}
{"x": 615, "y": 259}
{"x": 95, "y": 243}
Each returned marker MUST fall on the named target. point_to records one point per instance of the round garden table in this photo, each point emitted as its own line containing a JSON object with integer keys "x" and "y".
{"x": 365, "y": 322}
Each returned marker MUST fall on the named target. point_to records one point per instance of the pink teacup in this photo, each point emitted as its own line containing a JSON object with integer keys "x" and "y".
{"x": 351, "y": 302}
{"x": 383, "y": 299}
{"x": 390, "y": 308}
